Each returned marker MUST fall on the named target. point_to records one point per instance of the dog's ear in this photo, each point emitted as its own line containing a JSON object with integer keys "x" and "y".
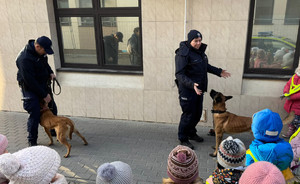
{"x": 213, "y": 93}
{"x": 227, "y": 97}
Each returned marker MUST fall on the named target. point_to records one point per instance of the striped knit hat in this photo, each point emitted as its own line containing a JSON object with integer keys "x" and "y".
{"x": 182, "y": 165}
{"x": 231, "y": 153}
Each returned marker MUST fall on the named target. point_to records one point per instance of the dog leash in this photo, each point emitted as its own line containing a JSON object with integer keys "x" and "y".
{"x": 53, "y": 86}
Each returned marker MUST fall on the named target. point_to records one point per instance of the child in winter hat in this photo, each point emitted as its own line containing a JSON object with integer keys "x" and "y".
{"x": 32, "y": 165}
{"x": 231, "y": 158}
{"x": 3, "y": 149}
{"x": 182, "y": 166}
{"x": 114, "y": 173}
{"x": 262, "y": 172}
{"x": 267, "y": 146}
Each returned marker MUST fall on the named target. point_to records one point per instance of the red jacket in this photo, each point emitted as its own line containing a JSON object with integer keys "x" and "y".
{"x": 292, "y": 104}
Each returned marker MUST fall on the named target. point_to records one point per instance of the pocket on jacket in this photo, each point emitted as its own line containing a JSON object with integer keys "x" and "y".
{"x": 185, "y": 104}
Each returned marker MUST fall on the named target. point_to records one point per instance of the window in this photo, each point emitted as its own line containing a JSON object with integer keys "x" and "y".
{"x": 292, "y": 13}
{"x": 264, "y": 11}
{"x": 273, "y": 49}
{"x": 100, "y": 35}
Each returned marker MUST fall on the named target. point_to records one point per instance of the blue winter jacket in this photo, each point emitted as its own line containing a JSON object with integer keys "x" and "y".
{"x": 279, "y": 153}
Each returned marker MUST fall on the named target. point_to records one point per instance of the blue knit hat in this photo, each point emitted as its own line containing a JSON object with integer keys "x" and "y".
{"x": 193, "y": 34}
{"x": 266, "y": 125}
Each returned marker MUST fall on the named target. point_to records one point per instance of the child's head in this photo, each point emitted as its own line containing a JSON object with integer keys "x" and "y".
{"x": 262, "y": 172}
{"x": 266, "y": 125}
{"x": 231, "y": 153}
{"x": 261, "y": 54}
{"x": 182, "y": 165}
{"x": 114, "y": 173}
{"x": 3, "y": 144}
{"x": 34, "y": 165}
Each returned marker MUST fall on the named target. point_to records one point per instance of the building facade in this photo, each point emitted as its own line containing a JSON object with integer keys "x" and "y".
{"x": 236, "y": 32}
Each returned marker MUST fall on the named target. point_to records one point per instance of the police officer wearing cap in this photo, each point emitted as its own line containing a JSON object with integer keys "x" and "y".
{"x": 111, "y": 47}
{"x": 191, "y": 78}
{"x": 33, "y": 76}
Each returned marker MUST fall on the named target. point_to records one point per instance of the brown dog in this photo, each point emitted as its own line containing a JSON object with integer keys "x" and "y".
{"x": 61, "y": 125}
{"x": 225, "y": 121}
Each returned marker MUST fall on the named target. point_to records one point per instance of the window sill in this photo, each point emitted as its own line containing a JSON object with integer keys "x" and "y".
{"x": 266, "y": 76}
{"x": 106, "y": 71}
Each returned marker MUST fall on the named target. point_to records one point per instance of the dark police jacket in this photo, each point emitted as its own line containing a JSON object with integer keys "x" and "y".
{"x": 192, "y": 67}
{"x": 33, "y": 70}
{"x": 111, "y": 47}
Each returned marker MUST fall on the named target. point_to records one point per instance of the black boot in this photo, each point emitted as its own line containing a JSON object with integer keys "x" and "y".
{"x": 187, "y": 143}
{"x": 196, "y": 138}
{"x": 32, "y": 143}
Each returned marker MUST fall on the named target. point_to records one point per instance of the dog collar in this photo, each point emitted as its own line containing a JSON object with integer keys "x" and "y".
{"x": 217, "y": 111}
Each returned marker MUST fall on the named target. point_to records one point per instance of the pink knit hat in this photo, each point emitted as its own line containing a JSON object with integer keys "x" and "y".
{"x": 182, "y": 165}
{"x": 3, "y": 143}
{"x": 262, "y": 172}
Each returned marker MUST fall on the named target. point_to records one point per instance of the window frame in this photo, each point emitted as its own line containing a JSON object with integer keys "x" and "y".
{"x": 286, "y": 20}
{"x": 97, "y": 12}
{"x": 264, "y": 73}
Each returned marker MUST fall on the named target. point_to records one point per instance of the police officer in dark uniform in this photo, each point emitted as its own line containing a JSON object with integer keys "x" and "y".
{"x": 111, "y": 47}
{"x": 34, "y": 74}
{"x": 191, "y": 79}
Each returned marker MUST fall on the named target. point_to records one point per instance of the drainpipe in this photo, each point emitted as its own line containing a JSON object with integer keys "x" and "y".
{"x": 184, "y": 23}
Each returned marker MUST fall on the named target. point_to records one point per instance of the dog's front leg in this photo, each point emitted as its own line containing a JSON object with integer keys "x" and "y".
{"x": 49, "y": 135}
{"x": 219, "y": 136}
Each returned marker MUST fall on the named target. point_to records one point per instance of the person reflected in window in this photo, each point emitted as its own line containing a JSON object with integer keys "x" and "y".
{"x": 134, "y": 47}
{"x": 261, "y": 60}
{"x": 111, "y": 47}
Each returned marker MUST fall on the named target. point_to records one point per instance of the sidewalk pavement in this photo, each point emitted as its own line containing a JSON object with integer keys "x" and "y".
{"x": 144, "y": 146}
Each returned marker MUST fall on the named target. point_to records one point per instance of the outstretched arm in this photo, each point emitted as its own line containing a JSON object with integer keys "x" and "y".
{"x": 225, "y": 74}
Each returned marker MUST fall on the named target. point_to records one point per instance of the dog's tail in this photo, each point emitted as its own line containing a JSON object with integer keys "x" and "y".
{"x": 71, "y": 124}
{"x": 289, "y": 118}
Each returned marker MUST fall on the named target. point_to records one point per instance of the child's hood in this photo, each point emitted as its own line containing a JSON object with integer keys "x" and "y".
{"x": 266, "y": 126}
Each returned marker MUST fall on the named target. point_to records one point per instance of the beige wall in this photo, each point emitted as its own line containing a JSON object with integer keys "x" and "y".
{"x": 153, "y": 96}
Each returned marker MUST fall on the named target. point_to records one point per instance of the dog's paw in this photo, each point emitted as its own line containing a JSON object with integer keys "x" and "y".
{"x": 50, "y": 143}
{"x": 213, "y": 147}
{"x": 212, "y": 155}
{"x": 66, "y": 155}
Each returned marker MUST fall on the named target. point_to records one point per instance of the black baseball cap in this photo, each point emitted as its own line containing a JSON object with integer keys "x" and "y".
{"x": 46, "y": 43}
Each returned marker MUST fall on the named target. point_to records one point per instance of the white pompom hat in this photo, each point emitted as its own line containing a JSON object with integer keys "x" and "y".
{"x": 114, "y": 173}
{"x": 32, "y": 165}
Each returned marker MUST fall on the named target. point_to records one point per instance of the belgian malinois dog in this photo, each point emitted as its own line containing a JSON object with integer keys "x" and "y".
{"x": 224, "y": 121}
{"x": 62, "y": 126}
